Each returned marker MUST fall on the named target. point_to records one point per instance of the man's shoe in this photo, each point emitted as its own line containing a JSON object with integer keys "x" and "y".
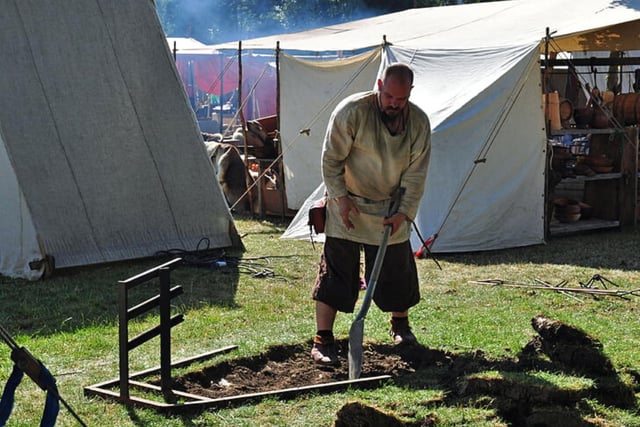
{"x": 324, "y": 351}
{"x": 401, "y": 332}
{"x": 403, "y": 336}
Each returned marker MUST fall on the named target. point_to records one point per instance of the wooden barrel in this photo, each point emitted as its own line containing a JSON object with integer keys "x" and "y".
{"x": 566, "y": 110}
{"x": 626, "y": 108}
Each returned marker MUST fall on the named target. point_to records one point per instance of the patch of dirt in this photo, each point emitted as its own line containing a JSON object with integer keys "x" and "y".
{"x": 557, "y": 348}
{"x": 284, "y": 367}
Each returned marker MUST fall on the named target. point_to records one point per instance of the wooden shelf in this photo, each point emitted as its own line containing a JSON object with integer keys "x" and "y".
{"x": 613, "y": 196}
{"x": 557, "y": 228}
{"x": 596, "y": 177}
{"x": 583, "y": 131}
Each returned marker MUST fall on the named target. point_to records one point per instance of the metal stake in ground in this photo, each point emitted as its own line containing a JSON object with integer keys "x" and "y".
{"x": 356, "y": 333}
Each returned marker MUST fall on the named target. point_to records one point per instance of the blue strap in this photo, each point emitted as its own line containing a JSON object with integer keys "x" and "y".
{"x": 52, "y": 405}
{"x": 6, "y": 403}
{"x": 45, "y": 379}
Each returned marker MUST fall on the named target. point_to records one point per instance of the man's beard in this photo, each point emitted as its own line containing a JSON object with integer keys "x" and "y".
{"x": 390, "y": 113}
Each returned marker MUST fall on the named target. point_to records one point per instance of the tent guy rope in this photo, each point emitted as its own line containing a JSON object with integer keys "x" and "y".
{"x": 583, "y": 288}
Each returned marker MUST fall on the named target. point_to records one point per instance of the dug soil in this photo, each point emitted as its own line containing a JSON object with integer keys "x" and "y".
{"x": 287, "y": 370}
{"x": 285, "y": 367}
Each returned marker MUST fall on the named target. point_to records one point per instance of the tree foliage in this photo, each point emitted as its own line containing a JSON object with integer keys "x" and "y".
{"x": 218, "y": 21}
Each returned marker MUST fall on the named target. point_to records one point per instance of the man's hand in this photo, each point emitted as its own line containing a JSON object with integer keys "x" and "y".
{"x": 346, "y": 207}
{"x": 396, "y": 220}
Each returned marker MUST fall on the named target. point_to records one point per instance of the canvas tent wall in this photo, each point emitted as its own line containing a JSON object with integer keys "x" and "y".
{"x": 472, "y": 157}
{"x": 100, "y": 155}
{"x": 478, "y": 78}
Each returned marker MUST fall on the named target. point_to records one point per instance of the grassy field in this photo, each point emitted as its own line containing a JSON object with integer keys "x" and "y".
{"x": 70, "y": 322}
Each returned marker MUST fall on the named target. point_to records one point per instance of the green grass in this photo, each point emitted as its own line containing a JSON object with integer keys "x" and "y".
{"x": 70, "y": 322}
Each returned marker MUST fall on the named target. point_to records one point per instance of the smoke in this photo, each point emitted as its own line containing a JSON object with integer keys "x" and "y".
{"x": 219, "y": 21}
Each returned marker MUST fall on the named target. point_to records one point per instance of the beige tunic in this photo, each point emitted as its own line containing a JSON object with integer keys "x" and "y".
{"x": 362, "y": 159}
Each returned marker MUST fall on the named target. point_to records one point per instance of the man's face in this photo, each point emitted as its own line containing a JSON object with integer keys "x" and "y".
{"x": 394, "y": 95}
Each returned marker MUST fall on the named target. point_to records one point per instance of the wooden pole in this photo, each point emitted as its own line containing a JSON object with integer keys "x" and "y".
{"x": 280, "y": 182}
{"x": 244, "y": 132}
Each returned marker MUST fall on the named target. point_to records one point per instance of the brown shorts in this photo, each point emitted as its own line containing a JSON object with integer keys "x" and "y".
{"x": 338, "y": 281}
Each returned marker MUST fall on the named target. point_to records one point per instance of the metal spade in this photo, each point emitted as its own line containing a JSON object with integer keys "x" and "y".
{"x": 356, "y": 333}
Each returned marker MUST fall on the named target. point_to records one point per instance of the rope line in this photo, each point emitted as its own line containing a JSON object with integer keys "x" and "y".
{"x": 217, "y": 259}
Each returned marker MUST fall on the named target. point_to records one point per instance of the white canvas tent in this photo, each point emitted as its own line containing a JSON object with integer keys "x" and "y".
{"x": 478, "y": 77}
{"x": 100, "y": 155}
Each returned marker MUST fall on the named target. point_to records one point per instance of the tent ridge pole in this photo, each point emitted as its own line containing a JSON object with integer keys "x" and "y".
{"x": 278, "y": 145}
{"x": 243, "y": 125}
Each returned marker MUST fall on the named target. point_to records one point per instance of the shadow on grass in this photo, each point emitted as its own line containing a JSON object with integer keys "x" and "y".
{"x": 82, "y": 297}
{"x": 607, "y": 249}
{"x": 512, "y": 388}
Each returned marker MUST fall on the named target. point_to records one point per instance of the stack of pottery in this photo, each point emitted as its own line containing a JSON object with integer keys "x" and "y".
{"x": 567, "y": 210}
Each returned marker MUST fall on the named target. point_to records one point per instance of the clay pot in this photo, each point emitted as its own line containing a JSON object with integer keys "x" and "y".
{"x": 599, "y": 161}
{"x": 582, "y": 117}
{"x": 568, "y": 217}
{"x": 566, "y": 206}
{"x": 602, "y": 169}
{"x": 567, "y": 210}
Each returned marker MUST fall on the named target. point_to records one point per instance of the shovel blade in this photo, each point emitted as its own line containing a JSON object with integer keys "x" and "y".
{"x": 356, "y": 334}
